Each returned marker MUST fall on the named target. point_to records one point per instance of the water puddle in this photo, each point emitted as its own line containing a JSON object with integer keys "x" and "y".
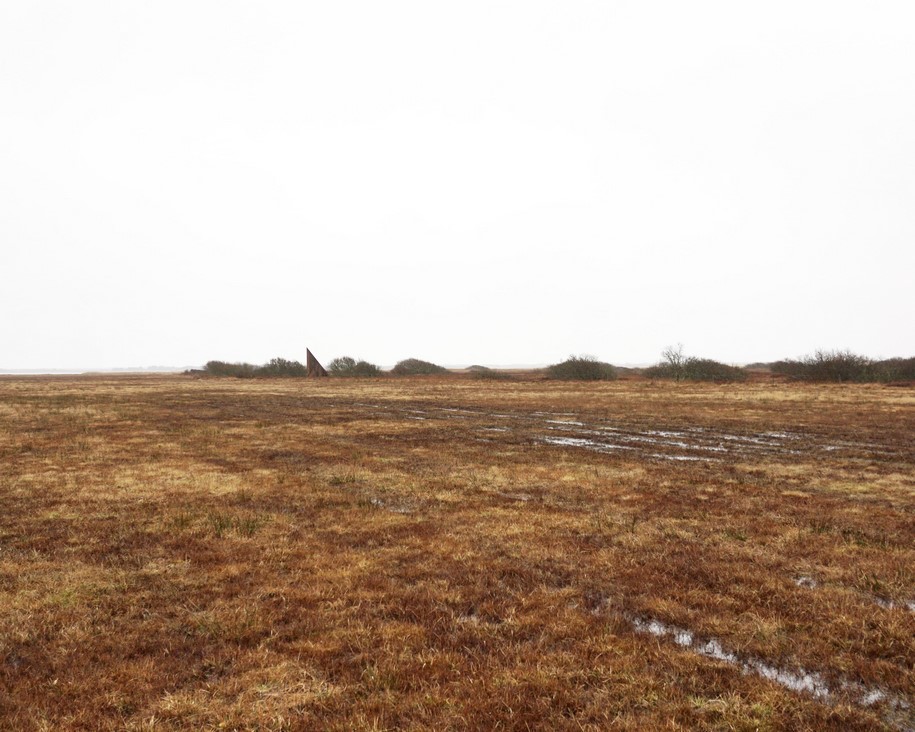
{"x": 523, "y": 497}
{"x": 675, "y": 444}
{"x": 805, "y": 581}
{"x": 686, "y": 458}
{"x": 686, "y": 444}
{"x": 656, "y": 441}
{"x": 665, "y": 433}
{"x": 391, "y": 508}
{"x": 893, "y": 604}
{"x": 805, "y": 681}
{"x": 895, "y": 709}
{"x": 583, "y": 442}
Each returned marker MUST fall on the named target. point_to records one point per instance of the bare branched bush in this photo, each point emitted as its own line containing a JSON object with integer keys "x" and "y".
{"x": 895, "y": 369}
{"x": 672, "y": 357}
{"x": 282, "y": 367}
{"x": 837, "y": 366}
{"x": 581, "y": 368}
{"x": 676, "y": 365}
{"x": 342, "y": 365}
{"x": 349, "y": 367}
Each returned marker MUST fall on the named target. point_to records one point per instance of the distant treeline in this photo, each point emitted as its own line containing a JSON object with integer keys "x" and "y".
{"x": 822, "y": 366}
{"x": 344, "y": 366}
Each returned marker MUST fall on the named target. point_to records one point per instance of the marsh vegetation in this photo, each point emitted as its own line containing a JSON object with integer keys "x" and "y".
{"x": 454, "y": 553}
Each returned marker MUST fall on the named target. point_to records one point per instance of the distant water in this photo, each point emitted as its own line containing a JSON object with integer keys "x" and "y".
{"x": 77, "y": 372}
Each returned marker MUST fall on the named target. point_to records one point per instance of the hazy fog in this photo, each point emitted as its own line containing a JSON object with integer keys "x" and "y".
{"x": 475, "y": 182}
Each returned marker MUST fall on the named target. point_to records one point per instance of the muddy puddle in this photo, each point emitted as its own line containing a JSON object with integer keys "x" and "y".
{"x": 893, "y": 605}
{"x": 390, "y": 507}
{"x": 894, "y": 710}
{"x": 584, "y": 442}
{"x": 807, "y": 582}
{"x": 700, "y": 445}
{"x": 695, "y": 443}
{"x": 686, "y": 444}
{"x": 801, "y": 680}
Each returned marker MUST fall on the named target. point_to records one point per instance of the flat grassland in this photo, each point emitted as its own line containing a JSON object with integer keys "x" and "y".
{"x": 443, "y": 553}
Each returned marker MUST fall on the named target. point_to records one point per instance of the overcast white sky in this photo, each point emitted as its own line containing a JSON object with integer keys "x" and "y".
{"x": 467, "y": 182}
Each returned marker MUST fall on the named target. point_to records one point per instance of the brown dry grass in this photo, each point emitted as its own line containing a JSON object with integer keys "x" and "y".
{"x": 220, "y": 554}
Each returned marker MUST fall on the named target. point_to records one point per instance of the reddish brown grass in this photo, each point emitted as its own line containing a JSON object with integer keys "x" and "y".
{"x": 221, "y": 554}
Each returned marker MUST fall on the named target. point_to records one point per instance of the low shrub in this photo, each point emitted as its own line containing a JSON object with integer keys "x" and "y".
{"x": 349, "y": 367}
{"x": 581, "y": 368}
{"x": 663, "y": 371}
{"x": 845, "y": 366}
{"x": 895, "y": 369}
{"x": 416, "y": 367}
{"x": 837, "y": 366}
{"x": 282, "y": 367}
{"x": 275, "y": 367}
{"x": 788, "y": 367}
{"x": 488, "y": 374}
{"x": 705, "y": 369}
{"x": 238, "y": 370}
{"x": 690, "y": 368}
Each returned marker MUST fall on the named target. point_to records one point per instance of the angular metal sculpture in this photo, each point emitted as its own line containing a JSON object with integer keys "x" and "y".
{"x": 311, "y": 364}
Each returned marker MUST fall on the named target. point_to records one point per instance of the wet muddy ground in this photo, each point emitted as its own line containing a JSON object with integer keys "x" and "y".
{"x": 442, "y": 553}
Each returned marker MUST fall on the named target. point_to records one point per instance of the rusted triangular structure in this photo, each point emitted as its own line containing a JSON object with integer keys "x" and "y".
{"x": 313, "y": 366}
